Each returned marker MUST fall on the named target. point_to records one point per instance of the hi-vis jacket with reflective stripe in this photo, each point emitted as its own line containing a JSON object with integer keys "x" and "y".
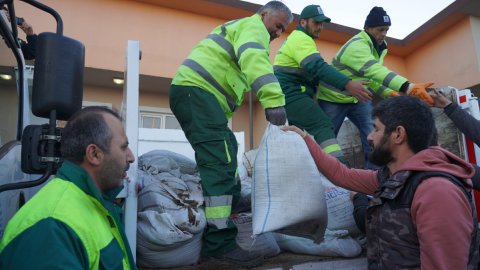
{"x": 68, "y": 224}
{"x": 299, "y": 67}
{"x": 359, "y": 60}
{"x": 233, "y": 59}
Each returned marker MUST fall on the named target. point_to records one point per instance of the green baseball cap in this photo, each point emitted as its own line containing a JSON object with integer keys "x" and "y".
{"x": 315, "y": 12}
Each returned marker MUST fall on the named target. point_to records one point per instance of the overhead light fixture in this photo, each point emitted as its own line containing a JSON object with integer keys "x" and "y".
{"x": 6, "y": 77}
{"x": 117, "y": 81}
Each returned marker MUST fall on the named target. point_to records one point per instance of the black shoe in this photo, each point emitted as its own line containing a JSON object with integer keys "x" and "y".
{"x": 240, "y": 257}
{"x": 244, "y": 204}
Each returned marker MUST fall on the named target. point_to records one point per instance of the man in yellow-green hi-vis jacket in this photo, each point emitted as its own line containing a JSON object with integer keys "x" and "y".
{"x": 361, "y": 58}
{"x": 73, "y": 221}
{"x": 299, "y": 67}
{"x": 207, "y": 88}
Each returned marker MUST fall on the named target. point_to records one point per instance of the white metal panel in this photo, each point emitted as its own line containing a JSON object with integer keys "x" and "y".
{"x": 468, "y": 102}
{"x": 174, "y": 140}
{"x": 129, "y": 112}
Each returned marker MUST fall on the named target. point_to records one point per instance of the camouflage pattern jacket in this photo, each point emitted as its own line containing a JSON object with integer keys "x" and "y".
{"x": 392, "y": 236}
{"x": 432, "y": 229}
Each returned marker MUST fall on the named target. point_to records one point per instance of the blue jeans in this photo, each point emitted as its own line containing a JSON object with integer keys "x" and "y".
{"x": 361, "y": 116}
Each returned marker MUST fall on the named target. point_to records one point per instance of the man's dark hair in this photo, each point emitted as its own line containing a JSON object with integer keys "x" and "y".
{"x": 412, "y": 114}
{"x": 85, "y": 127}
{"x": 276, "y": 6}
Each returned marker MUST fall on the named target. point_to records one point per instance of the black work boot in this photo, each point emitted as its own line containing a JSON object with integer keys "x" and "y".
{"x": 240, "y": 257}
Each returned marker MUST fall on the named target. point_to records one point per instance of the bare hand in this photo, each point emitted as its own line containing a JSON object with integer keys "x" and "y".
{"x": 27, "y": 28}
{"x": 294, "y": 129}
{"x": 440, "y": 100}
{"x": 352, "y": 194}
{"x": 357, "y": 90}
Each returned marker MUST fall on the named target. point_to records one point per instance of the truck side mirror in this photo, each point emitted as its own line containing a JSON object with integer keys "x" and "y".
{"x": 58, "y": 76}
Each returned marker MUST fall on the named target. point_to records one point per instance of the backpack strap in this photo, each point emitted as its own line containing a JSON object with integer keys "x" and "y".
{"x": 418, "y": 177}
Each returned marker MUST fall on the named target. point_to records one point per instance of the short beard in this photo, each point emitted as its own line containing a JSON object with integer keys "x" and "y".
{"x": 110, "y": 175}
{"x": 381, "y": 155}
{"x": 309, "y": 31}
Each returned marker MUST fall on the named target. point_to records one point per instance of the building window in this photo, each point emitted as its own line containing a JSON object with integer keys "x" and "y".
{"x": 150, "y": 120}
{"x": 171, "y": 122}
{"x": 158, "y": 118}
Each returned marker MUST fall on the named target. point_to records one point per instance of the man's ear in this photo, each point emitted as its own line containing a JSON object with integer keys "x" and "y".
{"x": 93, "y": 155}
{"x": 399, "y": 135}
{"x": 263, "y": 14}
{"x": 303, "y": 22}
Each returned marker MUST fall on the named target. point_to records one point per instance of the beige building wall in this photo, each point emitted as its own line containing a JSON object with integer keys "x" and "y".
{"x": 475, "y": 32}
{"x": 104, "y": 26}
{"x": 451, "y": 59}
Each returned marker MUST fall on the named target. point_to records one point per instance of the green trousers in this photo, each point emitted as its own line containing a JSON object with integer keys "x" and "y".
{"x": 303, "y": 112}
{"x": 206, "y": 128}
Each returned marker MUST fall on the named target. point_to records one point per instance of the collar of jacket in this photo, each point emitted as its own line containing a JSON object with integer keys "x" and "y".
{"x": 378, "y": 48}
{"x": 390, "y": 185}
{"x": 72, "y": 172}
{"x": 300, "y": 28}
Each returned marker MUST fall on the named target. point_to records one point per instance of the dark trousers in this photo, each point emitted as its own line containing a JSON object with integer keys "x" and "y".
{"x": 206, "y": 128}
{"x": 305, "y": 113}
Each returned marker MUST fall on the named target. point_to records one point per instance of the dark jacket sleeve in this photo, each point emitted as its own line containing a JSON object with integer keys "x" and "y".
{"x": 465, "y": 122}
{"x": 29, "y": 47}
{"x": 476, "y": 177}
{"x": 326, "y": 73}
{"x": 360, "y": 203}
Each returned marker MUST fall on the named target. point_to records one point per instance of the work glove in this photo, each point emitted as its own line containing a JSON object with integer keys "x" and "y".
{"x": 394, "y": 94}
{"x": 420, "y": 90}
{"x": 276, "y": 116}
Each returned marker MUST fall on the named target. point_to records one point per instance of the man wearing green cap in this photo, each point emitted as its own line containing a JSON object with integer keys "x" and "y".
{"x": 299, "y": 67}
{"x": 361, "y": 58}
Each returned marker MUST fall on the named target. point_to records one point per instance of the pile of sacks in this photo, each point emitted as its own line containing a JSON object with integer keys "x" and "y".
{"x": 293, "y": 206}
{"x": 171, "y": 218}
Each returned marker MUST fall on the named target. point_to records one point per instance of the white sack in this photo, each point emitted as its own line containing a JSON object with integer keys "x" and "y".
{"x": 248, "y": 160}
{"x": 287, "y": 189}
{"x": 340, "y": 209}
{"x": 157, "y": 161}
{"x": 263, "y": 244}
{"x": 336, "y": 243}
{"x": 173, "y": 199}
{"x": 153, "y": 250}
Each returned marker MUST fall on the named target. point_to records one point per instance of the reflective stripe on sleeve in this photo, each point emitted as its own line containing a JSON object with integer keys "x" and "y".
{"x": 263, "y": 80}
{"x": 222, "y": 42}
{"x": 249, "y": 45}
{"x": 209, "y": 78}
{"x": 310, "y": 58}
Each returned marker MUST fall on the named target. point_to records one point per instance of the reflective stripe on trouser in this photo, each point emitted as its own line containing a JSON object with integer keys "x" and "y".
{"x": 304, "y": 113}
{"x": 205, "y": 127}
{"x": 218, "y": 210}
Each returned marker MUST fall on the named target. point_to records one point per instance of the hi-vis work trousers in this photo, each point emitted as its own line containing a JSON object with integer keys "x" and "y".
{"x": 206, "y": 128}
